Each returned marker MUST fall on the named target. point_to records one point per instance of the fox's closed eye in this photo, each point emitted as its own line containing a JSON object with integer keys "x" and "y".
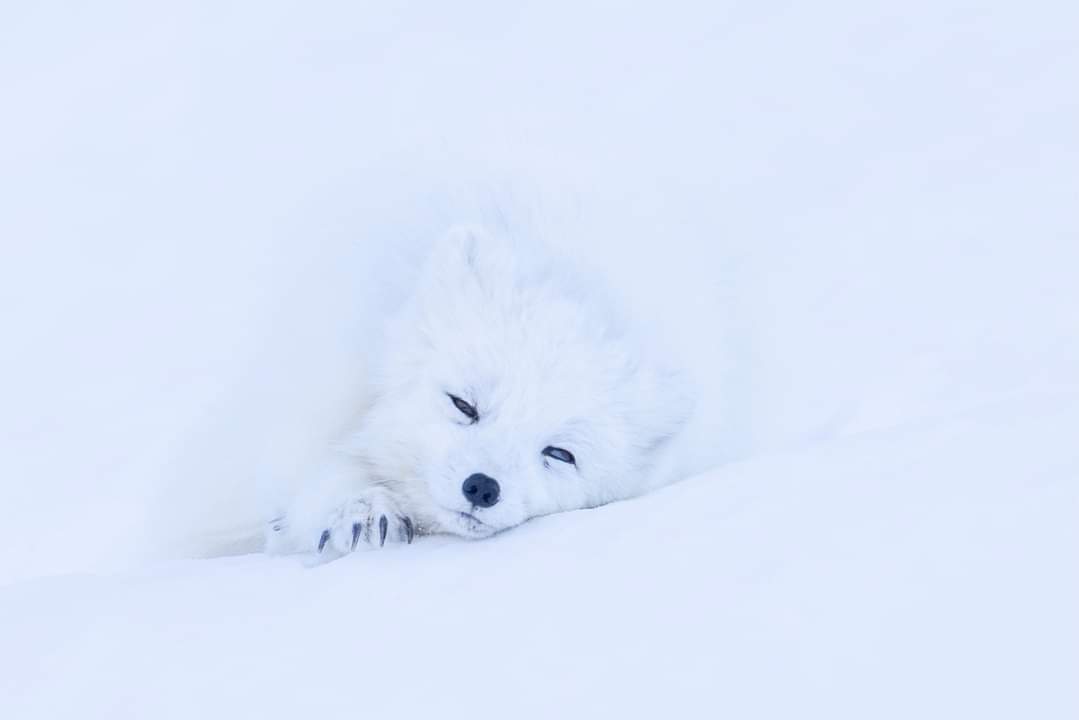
{"x": 467, "y": 410}
{"x": 559, "y": 454}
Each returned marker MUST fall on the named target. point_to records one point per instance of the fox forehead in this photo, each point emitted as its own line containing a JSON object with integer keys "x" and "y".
{"x": 537, "y": 379}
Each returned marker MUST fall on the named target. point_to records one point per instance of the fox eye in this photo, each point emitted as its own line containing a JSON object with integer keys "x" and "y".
{"x": 559, "y": 454}
{"x": 467, "y": 410}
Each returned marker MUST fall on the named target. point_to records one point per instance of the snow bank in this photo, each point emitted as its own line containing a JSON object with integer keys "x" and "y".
{"x": 854, "y": 223}
{"x": 926, "y": 571}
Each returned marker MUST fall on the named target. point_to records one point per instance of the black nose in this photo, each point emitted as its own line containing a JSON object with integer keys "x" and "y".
{"x": 480, "y": 490}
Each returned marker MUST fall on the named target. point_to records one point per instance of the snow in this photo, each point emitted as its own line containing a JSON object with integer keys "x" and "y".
{"x": 855, "y": 224}
{"x": 921, "y": 571}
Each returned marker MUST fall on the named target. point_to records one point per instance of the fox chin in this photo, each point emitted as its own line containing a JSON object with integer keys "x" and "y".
{"x": 506, "y": 390}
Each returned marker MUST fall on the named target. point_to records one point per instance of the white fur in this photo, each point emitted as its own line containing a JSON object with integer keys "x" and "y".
{"x": 545, "y": 364}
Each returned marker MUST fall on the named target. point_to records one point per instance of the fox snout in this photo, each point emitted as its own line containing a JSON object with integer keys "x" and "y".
{"x": 481, "y": 490}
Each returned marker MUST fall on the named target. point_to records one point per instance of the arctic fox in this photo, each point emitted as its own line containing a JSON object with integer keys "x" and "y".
{"x": 505, "y": 392}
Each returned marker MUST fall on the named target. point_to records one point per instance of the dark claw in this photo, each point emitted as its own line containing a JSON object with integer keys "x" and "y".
{"x": 409, "y": 531}
{"x": 323, "y": 540}
{"x": 383, "y": 526}
{"x": 356, "y": 527}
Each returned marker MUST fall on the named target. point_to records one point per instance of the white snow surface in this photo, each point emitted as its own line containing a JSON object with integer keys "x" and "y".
{"x": 855, "y": 224}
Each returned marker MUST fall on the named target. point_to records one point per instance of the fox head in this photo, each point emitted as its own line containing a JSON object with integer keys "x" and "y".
{"x": 507, "y": 392}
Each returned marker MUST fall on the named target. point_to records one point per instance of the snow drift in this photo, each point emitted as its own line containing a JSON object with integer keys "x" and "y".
{"x": 856, "y": 224}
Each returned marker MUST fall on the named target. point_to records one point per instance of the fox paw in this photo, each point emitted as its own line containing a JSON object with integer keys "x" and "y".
{"x": 368, "y": 521}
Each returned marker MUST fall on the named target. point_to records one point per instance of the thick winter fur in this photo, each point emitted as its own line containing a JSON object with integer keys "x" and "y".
{"x": 546, "y": 369}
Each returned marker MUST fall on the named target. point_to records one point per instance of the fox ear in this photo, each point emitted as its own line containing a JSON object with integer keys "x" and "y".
{"x": 467, "y": 256}
{"x": 472, "y": 249}
{"x": 666, "y": 402}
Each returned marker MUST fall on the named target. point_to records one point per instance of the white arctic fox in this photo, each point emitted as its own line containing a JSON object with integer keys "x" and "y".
{"x": 504, "y": 393}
